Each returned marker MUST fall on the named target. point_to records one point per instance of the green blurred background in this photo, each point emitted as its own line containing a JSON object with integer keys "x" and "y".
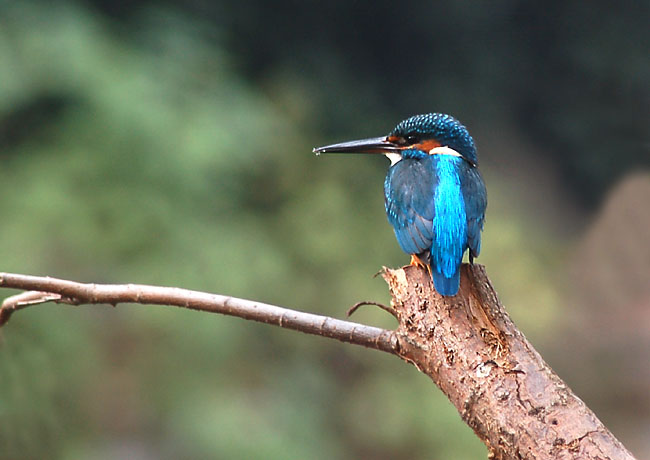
{"x": 170, "y": 143}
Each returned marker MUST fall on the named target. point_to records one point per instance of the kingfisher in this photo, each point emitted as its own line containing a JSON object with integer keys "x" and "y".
{"x": 434, "y": 195}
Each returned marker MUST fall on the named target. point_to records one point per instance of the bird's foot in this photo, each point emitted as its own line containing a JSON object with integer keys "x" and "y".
{"x": 417, "y": 262}
{"x": 356, "y": 306}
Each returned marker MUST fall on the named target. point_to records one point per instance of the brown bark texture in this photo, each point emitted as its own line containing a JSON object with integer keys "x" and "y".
{"x": 500, "y": 385}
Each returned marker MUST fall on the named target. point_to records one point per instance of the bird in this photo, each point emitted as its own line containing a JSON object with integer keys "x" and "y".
{"x": 434, "y": 195}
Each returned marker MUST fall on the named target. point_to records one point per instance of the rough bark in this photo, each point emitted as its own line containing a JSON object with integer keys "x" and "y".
{"x": 500, "y": 385}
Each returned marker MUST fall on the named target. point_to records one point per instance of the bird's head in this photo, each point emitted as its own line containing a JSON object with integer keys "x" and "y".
{"x": 416, "y": 137}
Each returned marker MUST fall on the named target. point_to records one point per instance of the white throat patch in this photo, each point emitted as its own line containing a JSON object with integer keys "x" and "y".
{"x": 393, "y": 157}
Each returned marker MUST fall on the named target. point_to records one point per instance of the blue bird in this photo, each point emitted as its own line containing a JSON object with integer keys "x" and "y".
{"x": 434, "y": 194}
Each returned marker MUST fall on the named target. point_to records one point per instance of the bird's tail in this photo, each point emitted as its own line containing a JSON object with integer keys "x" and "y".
{"x": 446, "y": 286}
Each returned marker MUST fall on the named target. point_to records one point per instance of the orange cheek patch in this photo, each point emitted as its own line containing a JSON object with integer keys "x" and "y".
{"x": 427, "y": 145}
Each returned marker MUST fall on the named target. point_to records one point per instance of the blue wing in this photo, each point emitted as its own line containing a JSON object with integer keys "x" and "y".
{"x": 475, "y": 197}
{"x": 408, "y": 198}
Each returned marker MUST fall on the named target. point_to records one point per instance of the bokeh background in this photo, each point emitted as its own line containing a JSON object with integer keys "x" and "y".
{"x": 170, "y": 143}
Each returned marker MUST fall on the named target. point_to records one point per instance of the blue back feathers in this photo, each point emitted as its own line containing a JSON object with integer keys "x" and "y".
{"x": 449, "y": 226}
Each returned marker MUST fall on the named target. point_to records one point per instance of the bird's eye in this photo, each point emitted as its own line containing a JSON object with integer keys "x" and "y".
{"x": 411, "y": 139}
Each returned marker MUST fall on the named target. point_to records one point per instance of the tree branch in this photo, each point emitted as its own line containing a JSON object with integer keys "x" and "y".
{"x": 45, "y": 289}
{"x": 466, "y": 344}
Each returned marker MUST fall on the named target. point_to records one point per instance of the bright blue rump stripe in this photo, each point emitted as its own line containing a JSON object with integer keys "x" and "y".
{"x": 450, "y": 221}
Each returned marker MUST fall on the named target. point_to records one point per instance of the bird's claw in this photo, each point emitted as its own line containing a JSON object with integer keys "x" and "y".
{"x": 417, "y": 262}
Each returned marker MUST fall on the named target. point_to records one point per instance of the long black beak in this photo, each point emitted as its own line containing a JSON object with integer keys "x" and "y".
{"x": 373, "y": 145}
